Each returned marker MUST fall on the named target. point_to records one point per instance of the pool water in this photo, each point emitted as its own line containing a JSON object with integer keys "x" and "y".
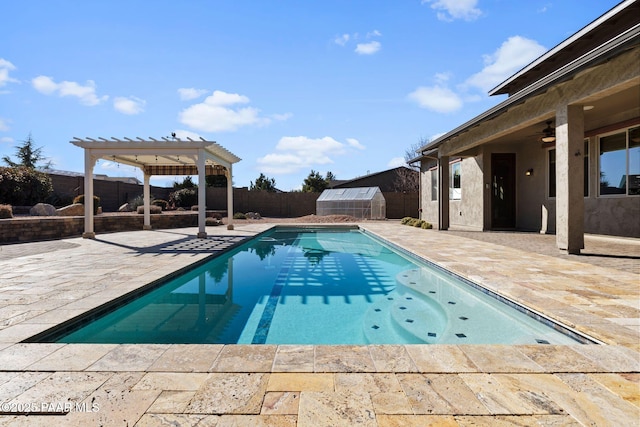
{"x": 316, "y": 286}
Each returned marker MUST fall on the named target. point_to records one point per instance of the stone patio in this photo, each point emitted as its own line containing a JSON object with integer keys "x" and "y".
{"x": 45, "y": 283}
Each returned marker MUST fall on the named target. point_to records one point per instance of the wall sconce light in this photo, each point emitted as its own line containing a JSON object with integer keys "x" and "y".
{"x": 529, "y": 172}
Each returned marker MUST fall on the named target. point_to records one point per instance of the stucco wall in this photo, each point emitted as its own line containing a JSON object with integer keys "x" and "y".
{"x": 429, "y": 207}
{"x": 467, "y": 213}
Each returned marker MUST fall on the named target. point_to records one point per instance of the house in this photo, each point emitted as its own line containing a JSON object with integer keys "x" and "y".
{"x": 561, "y": 154}
{"x": 397, "y": 179}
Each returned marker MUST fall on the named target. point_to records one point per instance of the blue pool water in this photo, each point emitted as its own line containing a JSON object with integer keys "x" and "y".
{"x": 315, "y": 286}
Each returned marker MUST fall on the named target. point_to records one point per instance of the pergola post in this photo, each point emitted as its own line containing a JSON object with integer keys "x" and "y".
{"x": 202, "y": 195}
{"x": 146, "y": 195}
{"x": 89, "y": 162}
{"x": 229, "y": 175}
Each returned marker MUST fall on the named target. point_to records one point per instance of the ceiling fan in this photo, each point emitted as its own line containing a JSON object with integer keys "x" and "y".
{"x": 548, "y": 134}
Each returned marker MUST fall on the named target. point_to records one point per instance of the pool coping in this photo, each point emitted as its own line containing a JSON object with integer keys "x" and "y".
{"x": 619, "y": 356}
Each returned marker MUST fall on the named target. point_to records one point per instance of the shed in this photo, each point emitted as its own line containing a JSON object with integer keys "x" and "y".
{"x": 360, "y": 202}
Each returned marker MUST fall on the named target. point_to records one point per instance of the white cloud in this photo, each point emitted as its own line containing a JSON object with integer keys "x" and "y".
{"x": 296, "y": 153}
{"x": 189, "y": 93}
{"x": 5, "y": 67}
{"x": 281, "y": 117}
{"x": 219, "y": 113}
{"x": 364, "y": 48}
{"x": 514, "y": 54}
{"x": 108, "y": 165}
{"x": 368, "y": 48}
{"x": 396, "y": 161}
{"x": 6, "y": 139}
{"x": 436, "y": 98}
{"x": 131, "y": 105}
{"x": 455, "y": 9}
{"x": 44, "y": 84}
{"x": 86, "y": 94}
{"x": 342, "y": 40}
{"x": 3, "y": 125}
{"x": 355, "y": 143}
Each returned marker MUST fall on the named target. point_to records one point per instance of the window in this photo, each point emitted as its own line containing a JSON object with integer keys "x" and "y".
{"x": 455, "y": 192}
{"x": 620, "y": 163}
{"x": 551, "y": 188}
{"x": 434, "y": 184}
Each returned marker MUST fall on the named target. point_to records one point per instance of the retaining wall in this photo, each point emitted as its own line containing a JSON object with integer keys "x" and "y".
{"x": 16, "y": 230}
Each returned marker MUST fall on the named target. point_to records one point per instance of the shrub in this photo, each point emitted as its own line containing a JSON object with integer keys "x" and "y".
{"x": 24, "y": 186}
{"x": 136, "y": 201}
{"x": 185, "y": 197}
{"x": 405, "y": 220}
{"x": 96, "y": 202}
{"x": 239, "y": 215}
{"x": 6, "y": 211}
{"x": 162, "y": 203}
{"x": 154, "y": 209}
{"x": 427, "y": 226}
{"x": 418, "y": 223}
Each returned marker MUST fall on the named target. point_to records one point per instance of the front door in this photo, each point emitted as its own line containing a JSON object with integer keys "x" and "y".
{"x": 503, "y": 191}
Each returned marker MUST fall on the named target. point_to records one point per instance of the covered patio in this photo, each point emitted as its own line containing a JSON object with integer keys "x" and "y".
{"x": 159, "y": 157}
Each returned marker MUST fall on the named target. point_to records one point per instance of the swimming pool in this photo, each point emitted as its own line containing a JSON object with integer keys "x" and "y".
{"x": 314, "y": 286}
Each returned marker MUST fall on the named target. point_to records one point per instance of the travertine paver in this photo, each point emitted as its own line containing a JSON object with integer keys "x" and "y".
{"x": 303, "y": 385}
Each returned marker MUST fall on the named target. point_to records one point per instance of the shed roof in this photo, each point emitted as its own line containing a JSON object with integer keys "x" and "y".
{"x": 359, "y": 193}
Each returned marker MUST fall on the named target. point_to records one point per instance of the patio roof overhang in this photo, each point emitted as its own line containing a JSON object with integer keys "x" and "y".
{"x": 163, "y": 156}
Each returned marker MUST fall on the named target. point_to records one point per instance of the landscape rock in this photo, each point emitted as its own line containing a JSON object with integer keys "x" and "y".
{"x": 76, "y": 209}
{"x": 125, "y": 208}
{"x": 43, "y": 209}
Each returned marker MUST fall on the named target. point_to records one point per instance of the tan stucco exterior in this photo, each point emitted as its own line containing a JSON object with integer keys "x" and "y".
{"x": 613, "y": 87}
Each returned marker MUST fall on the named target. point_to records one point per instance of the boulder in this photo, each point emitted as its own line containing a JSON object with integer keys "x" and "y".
{"x": 125, "y": 208}
{"x": 76, "y": 209}
{"x": 43, "y": 209}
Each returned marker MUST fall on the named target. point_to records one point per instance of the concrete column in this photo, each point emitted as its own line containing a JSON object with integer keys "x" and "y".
{"x": 570, "y": 178}
{"x": 89, "y": 162}
{"x": 443, "y": 193}
{"x": 146, "y": 196}
{"x": 229, "y": 175}
{"x": 202, "y": 195}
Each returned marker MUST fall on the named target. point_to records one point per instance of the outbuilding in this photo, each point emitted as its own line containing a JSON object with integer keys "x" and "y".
{"x": 360, "y": 202}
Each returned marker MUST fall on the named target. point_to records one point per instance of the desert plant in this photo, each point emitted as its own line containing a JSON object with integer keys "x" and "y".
{"x": 426, "y": 225}
{"x": 418, "y": 223}
{"x": 6, "y": 211}
{"x": 185, "y": 197}
{"x": 96, "y": 202}
{"x": 239, "y": 215}
{"x": 405, "y": 220}
{"x": 162, "y": 203}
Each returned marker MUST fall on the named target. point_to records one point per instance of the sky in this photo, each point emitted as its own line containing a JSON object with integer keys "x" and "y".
{"x": 346, "y": 86}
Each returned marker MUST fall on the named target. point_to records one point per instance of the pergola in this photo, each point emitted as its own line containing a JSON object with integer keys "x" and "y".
{"x": 168, "y": 156}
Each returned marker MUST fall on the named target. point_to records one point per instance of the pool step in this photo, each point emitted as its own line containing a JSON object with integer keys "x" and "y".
{"x": 405, "y": 317}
